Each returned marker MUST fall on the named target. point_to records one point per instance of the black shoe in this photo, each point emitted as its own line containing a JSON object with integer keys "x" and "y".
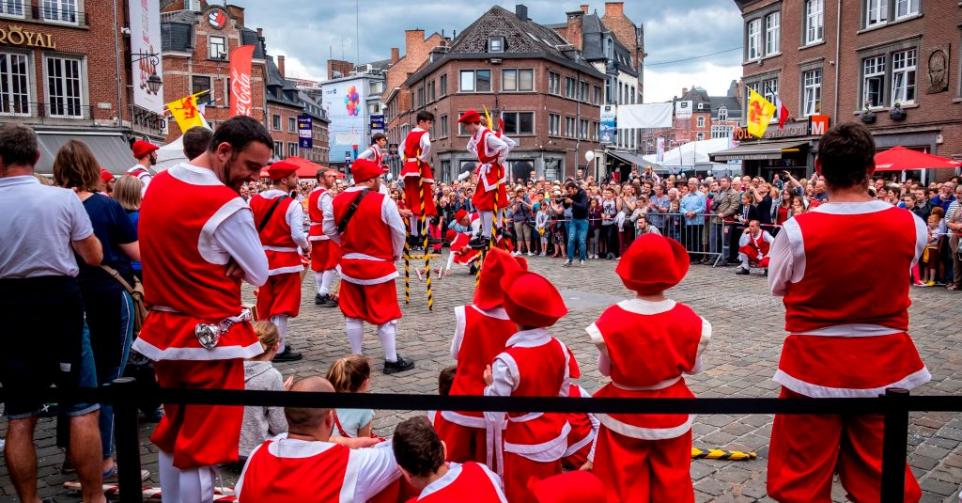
{"x": 331, "y": 301}
{"x": 319, "y": 299}
{"x": 400, "y": 365}
{"x": 288, "y": 355}
{"x": 742, "y": 271}
{"x": 473, "y": 269}
{"x": 479, "y": 243}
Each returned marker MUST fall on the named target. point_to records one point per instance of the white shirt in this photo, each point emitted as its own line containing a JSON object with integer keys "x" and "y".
{"x": 370, "y": 154}
{"x": 37, "y": 225}
{"x": 494, "y": 146}
{"x": 389, "y": 216}
{"x": 294, "y": 216}
{"x": 143, "y": 175}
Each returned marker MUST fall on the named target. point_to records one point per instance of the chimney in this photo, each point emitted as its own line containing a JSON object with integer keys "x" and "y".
{"x": 614, "y": 9}
{"x": 413, "y": 39}
{"x": 684, "y": 91}
{"x": 521, "y": 11}
{"x": 260, "y": 33}
{"x": 236, "y": 12}
{"x": 573, "y": 32}
{"x": 280, "y": 65}
{"x": 395, "y": 56}
{"x": 584, "y": 8}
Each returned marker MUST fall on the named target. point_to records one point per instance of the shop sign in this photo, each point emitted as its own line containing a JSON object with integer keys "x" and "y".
{"x": 16, "y": 35}
{"x": 819, "y": 124}
{"x": 790, "y": 130}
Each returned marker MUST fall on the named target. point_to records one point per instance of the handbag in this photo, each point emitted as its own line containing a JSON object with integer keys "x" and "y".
{"x": 136, "y": 292}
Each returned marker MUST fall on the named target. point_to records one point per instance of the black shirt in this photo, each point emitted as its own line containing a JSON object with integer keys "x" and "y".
{"x": 579, "y": 205}
{"x": 113, "y": 228}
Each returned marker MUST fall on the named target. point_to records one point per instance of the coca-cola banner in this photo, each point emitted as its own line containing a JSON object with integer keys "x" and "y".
{"x": 241, "y": 92}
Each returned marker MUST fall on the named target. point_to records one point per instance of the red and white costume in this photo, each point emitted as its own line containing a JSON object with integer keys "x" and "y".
{"x": 578, "y": 486}
{"x": 283, "y": 470}
{"x": 374, "y": 154}
{"x": 417, "y": 170}
{"x": 370, "y": 245}
{"x": 142, "y": 149}
{"x": 490, "y": 194}
{"x": 584, "y": 427}
{"x": 753, "y": 249}
{"x": 464, "y": 482}
{"x": 193, "y": 226}
{"x": 847, "y": 338}
{"x": 481, "y": 330}
{"x": 142, "y": 174}
{"x": 325, "y": 252}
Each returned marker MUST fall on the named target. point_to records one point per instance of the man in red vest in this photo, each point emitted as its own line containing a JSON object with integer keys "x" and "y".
{"x": 490, "y": 193}
{"x": 417, "y": 171}
{"x": 197, "y": 242}
{"x": 847, "y": 325}
{"x": 146, "y": 155}
{"x": 753, "y": 248}
{"x": 324, "y": 252}
{"x": 375, "y": 152}
{"x": 280, "y": 223}
{"x": 368, "y": 227}
{"x": 304, "y": 464}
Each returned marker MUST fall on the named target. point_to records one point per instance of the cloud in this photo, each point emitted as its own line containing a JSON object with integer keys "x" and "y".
{"x": 663, "y": 84}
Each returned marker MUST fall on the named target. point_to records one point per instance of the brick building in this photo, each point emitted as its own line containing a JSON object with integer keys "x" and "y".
{"x": 711, "y": 116}
{"x": 283, "y": 108}
{"x": 519, "y": 69}
{"x": 887, "y": 63}
{"x": 66, "y": 73}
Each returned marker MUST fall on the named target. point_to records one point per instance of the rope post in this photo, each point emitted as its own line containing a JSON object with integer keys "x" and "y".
{"x": 893, "y": 445}
{"x": 123, "y": 397}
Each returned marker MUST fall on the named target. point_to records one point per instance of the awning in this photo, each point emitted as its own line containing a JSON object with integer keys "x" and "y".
{"x": 758, "y": 151}
{"x": 110, "y": 148}
{"x": 628, "y": 157}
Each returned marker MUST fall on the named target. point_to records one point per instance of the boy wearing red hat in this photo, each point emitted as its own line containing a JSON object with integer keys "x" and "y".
{"x": 481, "y": 330}
{"x": 368, "y": 227}
{"x": 280, "y": 224}
{"x": 417, "y": 170}
{"x": 646, "y": 345}
{"x": 324, "y": 252}
{"x": 146, "y": 155}
{"x": 533, "y": 364}
{"x": 491, "y": 149}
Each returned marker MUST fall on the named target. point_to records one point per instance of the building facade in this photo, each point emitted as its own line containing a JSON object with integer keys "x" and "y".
{"x": 886, "y": 63}
{"x": 349, "y": 103}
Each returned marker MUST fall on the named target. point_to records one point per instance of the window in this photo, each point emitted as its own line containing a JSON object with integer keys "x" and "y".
{"x": 905, "y": 8}
{"x": 64, "y": 11}
{"x": 583, "y": 130}
{"x": 509, "y": 80}
{"x": 754, "y": 39}
{"x": 873, "y": 81}
{"x": 772, "y": 31}
{"x": 722, "y": 131}
{"x": 597, "y": 97}
{"x": 554, "y": 125}
{"x": 525, "y": 80}
{"x": 200, "y": 83}
{"x": 496, "y": 44}
{"x": 11, "y": 8}
{"x": 767, "y": 88}
{"x": 723, "y": 113}
{"x": 276, "y": 122}
{"x": 583, "y": 91}
{"x": 814, "y": 21}
{"x": 554, "y": 83}
{"x": 291, "y": 125}
{"x": 420, "y": 97}
{"x": 443, "y": 125}
{"x": 291, "y": 149}
{"x": 701, "y": 121}
{"x": 475, "y": 81}
{"x": 14, "y": 79}
{"x": 216, "y": 47}
{"x": 903, "y": 76}
{"x": 595, "y": 128}
{"x": 64, "y": 87}
{"x": 570, "y": 127}
{"x": 812, "y": 92}
{"x": 278, "y": 145}
{"x": 700, "y": 136}
{"x": 431, "y": 92}
{"x": 570, "y": 87}
{"x": 632, "y": 95}
{"x": 876, "y": 12}
{"x": 377, "y": 87}
{"x": 443, "y": 85}
{"x": 518, "y": 123}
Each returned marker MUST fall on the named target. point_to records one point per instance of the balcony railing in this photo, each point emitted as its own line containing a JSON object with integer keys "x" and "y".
{"x": 45, "y": 112}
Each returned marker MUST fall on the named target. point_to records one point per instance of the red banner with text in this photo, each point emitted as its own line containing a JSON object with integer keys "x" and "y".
{"x": 241, "y": 92}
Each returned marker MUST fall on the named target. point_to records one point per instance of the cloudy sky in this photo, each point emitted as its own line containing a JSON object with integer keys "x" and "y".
{"x": 693, "y": 31}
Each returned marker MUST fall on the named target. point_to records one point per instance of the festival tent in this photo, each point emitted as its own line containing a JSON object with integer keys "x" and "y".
{"x": 305, "y": 168}
{"x": 170, "y": 155}
{"x": 900, "y": 158}
{"x": 693, "y": 155}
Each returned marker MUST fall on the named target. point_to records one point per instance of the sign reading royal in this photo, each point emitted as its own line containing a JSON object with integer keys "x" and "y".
{"x": 145, "y": 46}
{"x": 16, "y": 35}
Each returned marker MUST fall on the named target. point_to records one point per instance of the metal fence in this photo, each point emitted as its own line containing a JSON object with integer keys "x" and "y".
{"x": 125, "y": 395}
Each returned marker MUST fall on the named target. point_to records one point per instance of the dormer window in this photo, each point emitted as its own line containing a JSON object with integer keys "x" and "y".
{"x": 496, "y": 44}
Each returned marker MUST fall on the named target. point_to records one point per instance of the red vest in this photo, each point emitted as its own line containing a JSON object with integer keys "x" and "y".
{"x": 757, "y": 245}
{"x": 412, "y": 144}
{"x": 463, "y": 254}
{"x": 649, "y": 353}
{"x": 482, "y": 199}
{"x": 472, "y": 483}
{"x": 542, "y": 372}
{"x": 412, "y": 147}
{"x": 314, "y": 213}
{"x": 377, "y": 153}
{"x": 304, "y": 476}
{"x": 581, "y": 426}
{"x": 281, "y": 250}
{"x": 178, "y": 277}
{"x": 365, "y": 234}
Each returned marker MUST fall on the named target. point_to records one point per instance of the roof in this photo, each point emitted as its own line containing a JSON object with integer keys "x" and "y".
{"x": 280, "y": 90}
{"x": 380, "y": 65}
{"x": 593, "y": 33}
{"x": 249, "y": 37}
{"x": 729, "y": 102}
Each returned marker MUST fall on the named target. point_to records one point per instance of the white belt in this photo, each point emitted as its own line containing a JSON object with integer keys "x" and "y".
{"x": 661, "y": 385}
{"x": 316, "y": 223}
{"x": 245, "y": 314}
{"x": 280, "y": 249}
{"x": 531, "y": 416}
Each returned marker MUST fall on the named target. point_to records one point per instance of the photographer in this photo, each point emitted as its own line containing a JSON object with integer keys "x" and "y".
{"x": 521, "y": 214}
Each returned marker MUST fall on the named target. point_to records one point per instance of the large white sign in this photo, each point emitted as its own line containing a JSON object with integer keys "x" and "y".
{"x": 644, "y": 116}
{"x": 345, "y": 105}
{"x": 145, "y": 40}
{"x": 683, "y": 109}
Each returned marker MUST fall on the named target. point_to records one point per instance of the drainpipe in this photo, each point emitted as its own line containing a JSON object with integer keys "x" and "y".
{"x": 838, "y": 46}
{"x": 577, "y": 126}
{"x": 120, "y": 108}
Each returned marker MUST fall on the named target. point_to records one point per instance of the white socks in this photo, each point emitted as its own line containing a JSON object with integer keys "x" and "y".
{"x": 324, "y": 280}
{"x": 414, "y": 226}
{"x": 487, "y": 218}
{"x": 744, "y": 259}
{"x": 387, "y": 333}
{"x": 280, "y": 321}
{"x": 195, "y": 485}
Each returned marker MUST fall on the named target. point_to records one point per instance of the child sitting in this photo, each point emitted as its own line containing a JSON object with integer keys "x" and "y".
{"x": 352, "y": 374}
{"x": 261, "y": 423}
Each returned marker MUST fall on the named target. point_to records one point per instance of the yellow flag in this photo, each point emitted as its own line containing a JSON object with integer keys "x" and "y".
{"x": 760, "y": 113}
{"x": 186, "y": 112}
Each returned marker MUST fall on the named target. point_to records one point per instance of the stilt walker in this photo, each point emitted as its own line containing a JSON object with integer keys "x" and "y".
{"x": 491, "y": 152}
{"x": 417, "y": 171}
{"x": 325, "y": 253}
{"x": 375, "y": 153}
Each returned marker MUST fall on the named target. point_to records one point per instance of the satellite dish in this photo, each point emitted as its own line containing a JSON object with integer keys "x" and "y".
{"x": 590, "y": 155}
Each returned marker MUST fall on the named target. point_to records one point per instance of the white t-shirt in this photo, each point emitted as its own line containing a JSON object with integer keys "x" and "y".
{"x": 37, "y": 225}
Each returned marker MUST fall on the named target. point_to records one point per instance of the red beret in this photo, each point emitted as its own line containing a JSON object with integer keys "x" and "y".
{"x": 579, "y": 486}
{"x": 143, "y": 149}
{"x": 653, "y": 264}
{"x": 364, "y": 170}
{"x": 105, "y": 175}
{"x": 471, "y": 116}
{"x": 531, "y": 300}
{"x": 281, "y": 169}
{"x": 458, "y": 215}
{"x": 498, "y": 263}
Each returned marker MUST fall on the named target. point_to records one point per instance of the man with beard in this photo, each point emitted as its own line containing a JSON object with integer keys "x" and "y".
{"x": 146, "y": 155}
{"x": 199, "y": 242}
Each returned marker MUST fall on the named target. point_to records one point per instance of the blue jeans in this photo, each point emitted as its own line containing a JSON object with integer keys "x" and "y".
{"x": 577, "y": 233}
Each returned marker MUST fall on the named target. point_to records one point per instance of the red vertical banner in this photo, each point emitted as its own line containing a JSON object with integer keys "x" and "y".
{"x": 241, "y": 91}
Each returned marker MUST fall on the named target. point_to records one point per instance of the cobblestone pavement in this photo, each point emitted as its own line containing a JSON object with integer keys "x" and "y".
{"x": 739, "y": 362}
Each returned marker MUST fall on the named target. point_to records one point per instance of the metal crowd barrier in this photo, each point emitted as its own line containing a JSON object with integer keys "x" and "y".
{"x": 125, "y": 395}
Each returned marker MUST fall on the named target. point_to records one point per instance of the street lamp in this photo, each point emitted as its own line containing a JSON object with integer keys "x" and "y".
{"x": 153, "y": 81}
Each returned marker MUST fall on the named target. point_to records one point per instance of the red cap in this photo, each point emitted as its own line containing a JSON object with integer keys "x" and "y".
{"x": 364, "y": 170}
{"x": 281, "y": 170}
{"x": 653, "y": 264}
{"x": 531, "y": 300}
{"x": 497, "y": 264}
{"x": 143, "y": 149}
{"x": 471, "y": 116}
{"x": 105, "y": 175}
{"x": 450, "y": 235}
{"x": 579, "y": 486}
{"x": 336, "y": 173}
{"x": 458, "y": 215}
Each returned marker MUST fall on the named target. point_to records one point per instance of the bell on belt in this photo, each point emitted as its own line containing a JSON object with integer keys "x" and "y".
{"x": 208, "y": 335}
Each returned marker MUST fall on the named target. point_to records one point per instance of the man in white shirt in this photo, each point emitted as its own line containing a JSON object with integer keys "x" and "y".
{"x": 146, "y": 155}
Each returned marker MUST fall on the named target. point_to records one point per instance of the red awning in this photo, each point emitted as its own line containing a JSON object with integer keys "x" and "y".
{"x": 305, "y": 168}
{"x": 902, "y": 159}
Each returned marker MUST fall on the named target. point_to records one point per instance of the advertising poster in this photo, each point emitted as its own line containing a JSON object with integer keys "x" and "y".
{"x": 241, "y": 93}
{"x": 305, "y": 131}
{"x": 144, "y": 41}
{"x": 609, "y": 124}
{"x": 344, "y": 103}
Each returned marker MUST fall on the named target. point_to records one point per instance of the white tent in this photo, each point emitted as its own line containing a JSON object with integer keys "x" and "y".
{"x": 170, "y": 154}
{"x": 693, "y": 156}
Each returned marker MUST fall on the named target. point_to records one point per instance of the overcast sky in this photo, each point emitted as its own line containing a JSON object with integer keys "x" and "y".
{"x": 308, "y": 32}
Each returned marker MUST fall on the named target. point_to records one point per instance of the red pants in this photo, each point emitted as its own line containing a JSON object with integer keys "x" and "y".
{"x": 200, "y": 435}
{"x": 375, "y": 304}
{"x": 518, "y": 471}
{"x": 412, "y": 197}
{"x": 280, "y": 295}
{"x": 637, "y": 470}
{"x": 324, "y": 255}
{"x": 463, "y": 443}
{"x": 807, "y": 450}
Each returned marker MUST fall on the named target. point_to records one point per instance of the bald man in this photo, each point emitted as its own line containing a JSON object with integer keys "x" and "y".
{"x": 305, "y": 464}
